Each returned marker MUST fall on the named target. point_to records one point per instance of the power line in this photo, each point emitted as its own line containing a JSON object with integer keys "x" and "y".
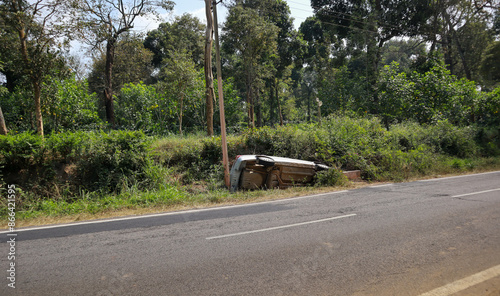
{"x": 347, "y": 17}
{"x": 298, "y": 3}
{"x": 339, "y": 25}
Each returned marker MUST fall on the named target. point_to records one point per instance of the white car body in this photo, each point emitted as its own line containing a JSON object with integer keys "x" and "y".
{"x": 261, "y": 171}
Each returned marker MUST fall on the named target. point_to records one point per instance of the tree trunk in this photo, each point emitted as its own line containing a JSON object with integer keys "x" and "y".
{"x": 446, "y": 41}
{"x": 461, "y": 53}
{"x": 38, "y": 108}
{"x": 3, "y": 127}
{"x": 180, "y": 115}
{"x": 250, "y": 107}
{"x": 271, "y": 102}
{"x": 371, "y": 64}
{"x": 258, "y": 110}
{"x": 209, "y": 78}
{"x": 181, "y": 107}
{"x": 279, "y": 103}
{"x": 108, "y": 90}
{"x": 309, "y": 92}
{"x": 35, "y": 80}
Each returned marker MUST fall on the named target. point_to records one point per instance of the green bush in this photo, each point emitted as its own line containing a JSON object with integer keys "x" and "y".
{"x": 489, "y": 140}
{"x": 295, "y": 141}
{"x": 85, "y": 171}
{"x": 66, "y": 147}
{"x": 69, "y": 106}
{"x": 429, "y": 97}
{"x": 21, "y": 151}
{"x": 441, "y": 137}
{"x": 452, "y": 140}
{"x": 102, "y": 161}
{"x": 330, "y": 177}
{"x": 110, "y": 161}
{"x": 140, "y": 107}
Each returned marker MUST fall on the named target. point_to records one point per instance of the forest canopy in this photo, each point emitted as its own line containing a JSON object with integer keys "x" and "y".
{"x": 416, "y": 60}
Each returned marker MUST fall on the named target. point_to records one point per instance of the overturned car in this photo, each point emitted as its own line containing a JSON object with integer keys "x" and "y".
{"x": 262, "y": 171}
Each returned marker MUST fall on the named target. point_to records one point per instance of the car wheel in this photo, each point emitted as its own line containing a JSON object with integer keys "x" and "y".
{"x": 265, "y": 161}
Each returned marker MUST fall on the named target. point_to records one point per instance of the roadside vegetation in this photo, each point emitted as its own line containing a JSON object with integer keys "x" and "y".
{"x": 397, "y": 91}
{"x": 97, "y": 172}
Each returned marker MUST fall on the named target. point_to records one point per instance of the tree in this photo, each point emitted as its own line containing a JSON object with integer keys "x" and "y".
{"x": 184, "y": 33}
{"x": 104, "y": 21}
{"x": 209, "y": 77}
{"x": 370, "y": 24}
{"x": 458, "y": 28}
{"x": 132, "y": 65}
{"x": 3, "y": 126}
{"x": 319, "y": 38}
{"x": 465, "y": 35}
{"x": 289, "y": 49}
{"x": 252, "y": 40}
{"x": 40, "y": 26}
{"x": 69, "y": 105}
{"x": 180, "y": 79}
{"x": 403, "y": 52}
{"x": 10, "y": 56}
{"x": 490, "y": 65}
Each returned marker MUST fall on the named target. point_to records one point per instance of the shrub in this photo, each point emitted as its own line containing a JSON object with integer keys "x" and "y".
{"x": 330, "y": 177}
{"x": 449, "y": 139}
{"x": 441, "y": 137}
{"x": 139, "y": 107}
{"x": 70, "y": 106}
{"x": 113, "y": 160}
{"x": 101, "y": 162}
{"x": 21, "y": 151}
{"x": 429, "y": 97}
{"x": 66, "y": 147}
{"x": 295, "y": 141}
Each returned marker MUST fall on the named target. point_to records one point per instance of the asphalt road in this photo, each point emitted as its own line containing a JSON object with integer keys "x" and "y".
{"x": 396, "y": 239}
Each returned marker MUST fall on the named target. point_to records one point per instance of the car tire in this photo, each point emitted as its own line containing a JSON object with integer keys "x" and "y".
{"x": 265, "y": 161}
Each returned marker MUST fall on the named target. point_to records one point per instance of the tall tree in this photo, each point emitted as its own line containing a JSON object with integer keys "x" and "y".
{"x": 180, "y": 77}
{"x": 132, "y": 65}
{"x": 10, "y": 56}
{"x": 376, "y": 22}
{"x": 103, "y": 21}
{"x": 3, "y": 126}
{"x": 289, "y": 48}
{"x": 209, "y": 77}
{"x": 459, "y": 30}
{"x": 251, "y": 39}
{"x": 185, "y": 32}
{"x": 40, "y": 26}
{"x": 490, "y": 65}
{"x": 320, "y": 42}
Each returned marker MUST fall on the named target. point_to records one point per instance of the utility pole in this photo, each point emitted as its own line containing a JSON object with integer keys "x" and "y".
{"x": 225, "y": 160}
